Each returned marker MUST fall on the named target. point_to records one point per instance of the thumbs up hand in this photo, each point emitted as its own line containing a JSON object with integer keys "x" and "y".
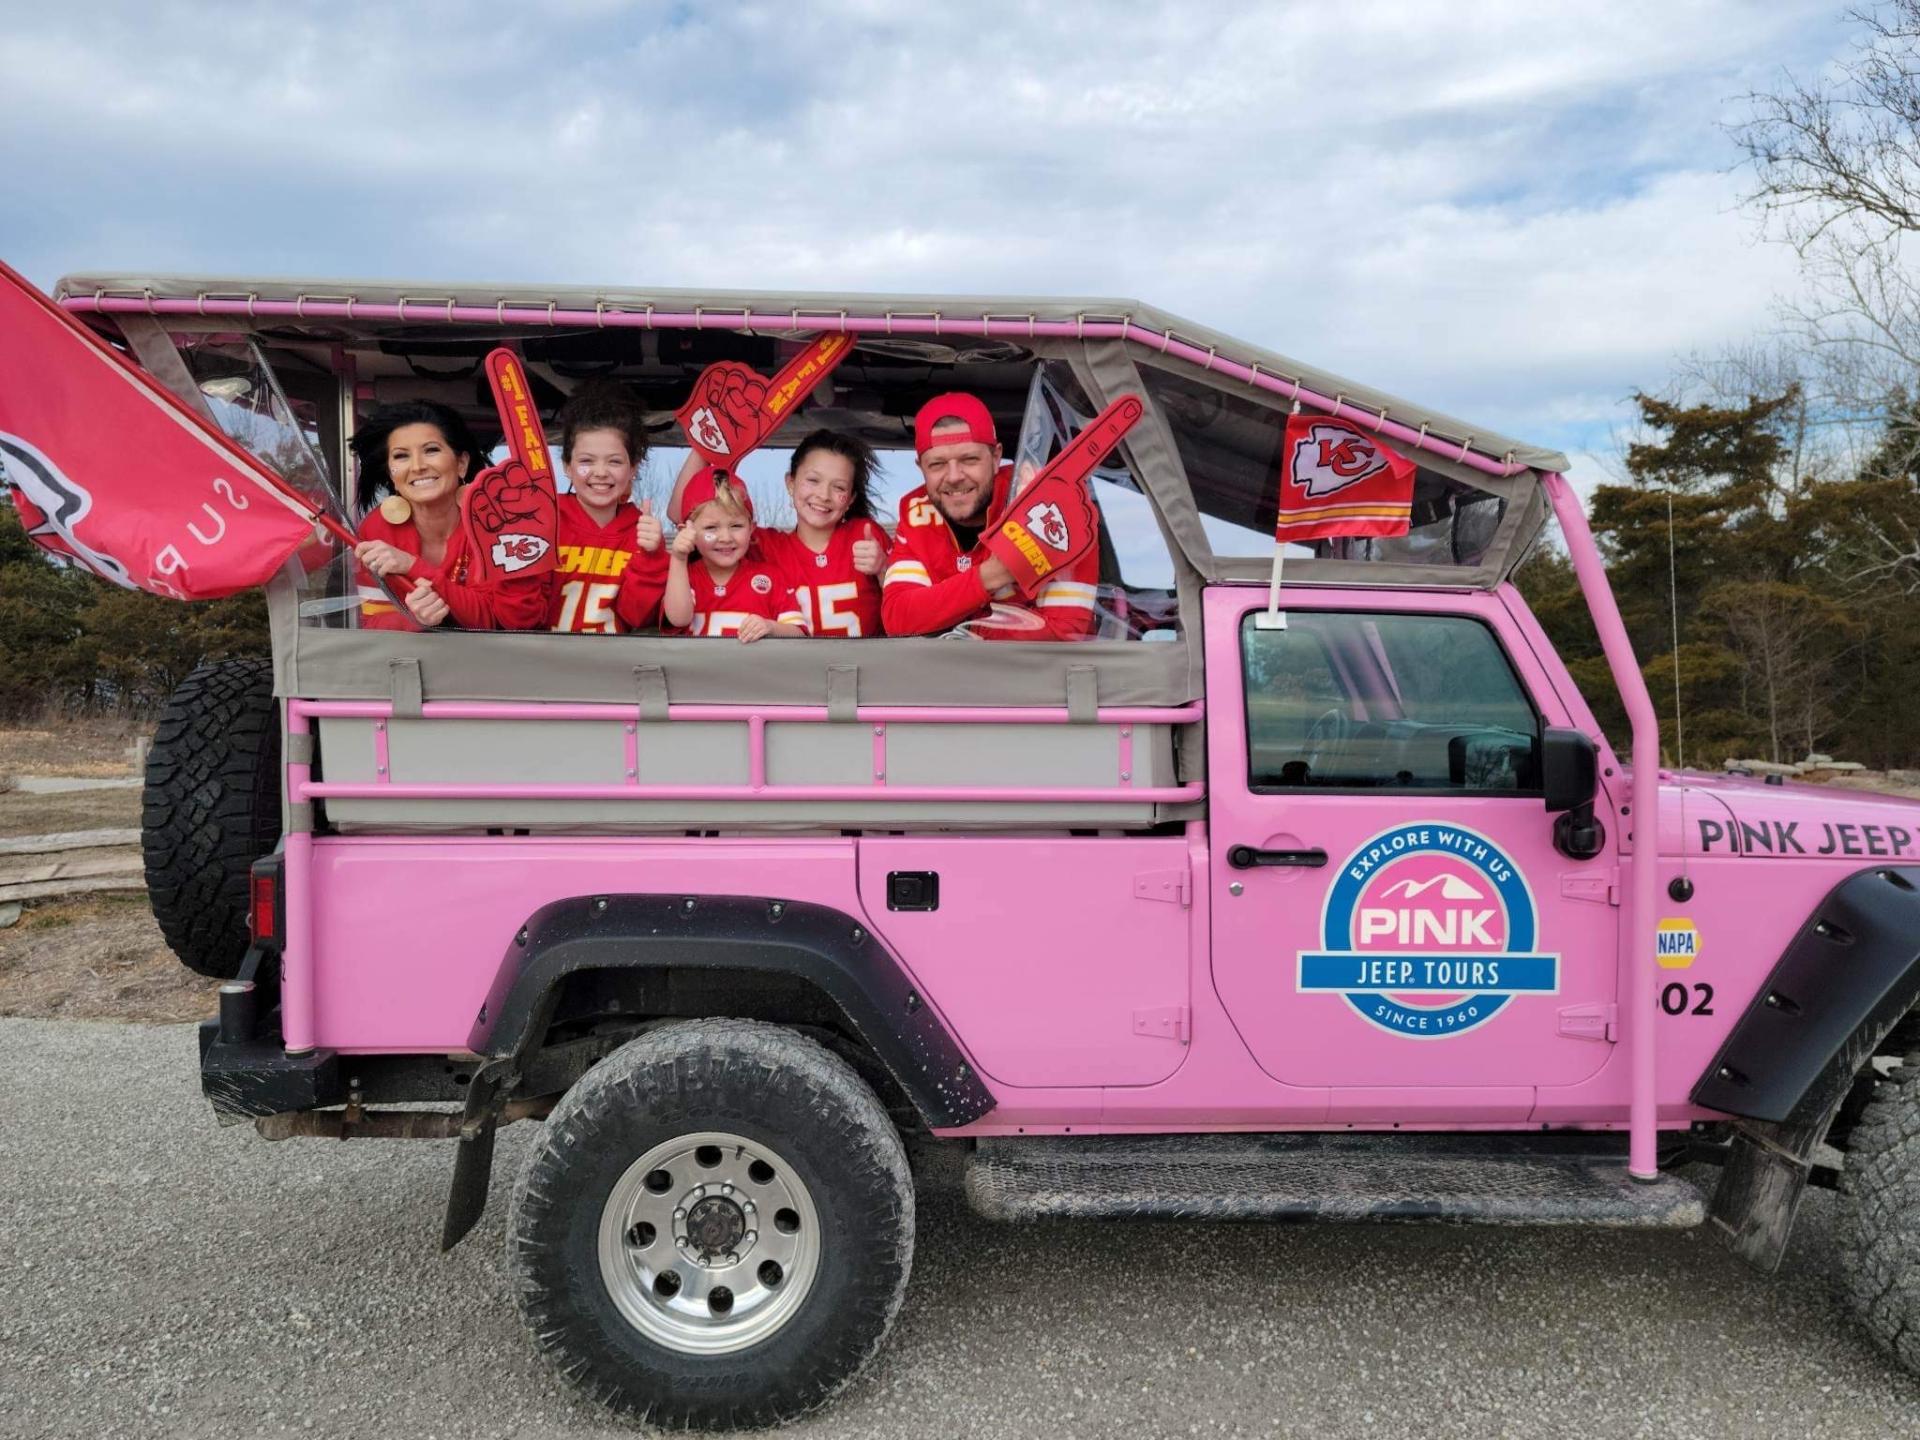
{"x": 646, "y": 530}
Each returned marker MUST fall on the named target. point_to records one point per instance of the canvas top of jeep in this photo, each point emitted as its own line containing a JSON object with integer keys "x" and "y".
{"x": 1357, "y": 916}
{"x": 1192, "y": 493}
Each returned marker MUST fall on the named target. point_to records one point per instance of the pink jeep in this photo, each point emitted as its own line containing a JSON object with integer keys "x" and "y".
{"x": 1357, "y": 917}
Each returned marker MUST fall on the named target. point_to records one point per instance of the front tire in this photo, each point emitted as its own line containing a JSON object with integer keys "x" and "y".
{"x": 1880, "y": 1235}
{"x": 715, "y": 1228}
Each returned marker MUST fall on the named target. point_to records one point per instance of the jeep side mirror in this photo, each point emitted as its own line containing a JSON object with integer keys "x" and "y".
{"x": 1568, "y": 769}
{"x": 1569, "y": 782}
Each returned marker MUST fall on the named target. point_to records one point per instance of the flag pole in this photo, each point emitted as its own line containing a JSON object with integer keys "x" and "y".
{"x": 1273, "y": 617}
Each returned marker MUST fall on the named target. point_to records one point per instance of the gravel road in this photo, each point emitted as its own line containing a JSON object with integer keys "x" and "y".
{"x": 161, "y": 1275}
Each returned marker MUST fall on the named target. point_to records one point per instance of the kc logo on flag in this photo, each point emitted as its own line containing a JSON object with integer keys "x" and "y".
{"x": 1336, "y": 479}
{"x": 113, "y": 473}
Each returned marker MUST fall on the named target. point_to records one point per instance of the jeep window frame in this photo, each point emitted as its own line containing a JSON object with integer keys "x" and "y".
{"x": 1246, "y": 626}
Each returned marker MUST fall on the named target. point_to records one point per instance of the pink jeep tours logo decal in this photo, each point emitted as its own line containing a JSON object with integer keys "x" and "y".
{"x": 1428, "y": 931}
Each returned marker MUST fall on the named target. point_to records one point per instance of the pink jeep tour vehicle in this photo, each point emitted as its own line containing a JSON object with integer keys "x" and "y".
{"x": 1340, "y": 909}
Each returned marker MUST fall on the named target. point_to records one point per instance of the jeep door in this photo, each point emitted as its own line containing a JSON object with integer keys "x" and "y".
{"x": 1389, "y": 911}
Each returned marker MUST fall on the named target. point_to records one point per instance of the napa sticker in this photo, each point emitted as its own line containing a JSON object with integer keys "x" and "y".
{"x": 1676, "y": 943}
{"x": 1428, "y": 931}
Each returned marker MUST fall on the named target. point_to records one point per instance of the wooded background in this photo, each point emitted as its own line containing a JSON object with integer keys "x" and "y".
{"x": 71, "y": 643}
{"x": 1791, "y": 461}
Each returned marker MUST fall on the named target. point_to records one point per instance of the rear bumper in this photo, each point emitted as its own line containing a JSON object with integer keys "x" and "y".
{"x": 245, "y": 1069}
{"x": 257, "y": 1077}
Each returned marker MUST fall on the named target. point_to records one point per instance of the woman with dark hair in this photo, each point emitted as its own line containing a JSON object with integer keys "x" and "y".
{"x": 833, "y": 555}
{"x": 414, "y": 457}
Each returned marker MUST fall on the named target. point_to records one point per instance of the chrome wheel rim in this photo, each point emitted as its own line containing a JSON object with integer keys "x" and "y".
{"x": 709, "y": 1243}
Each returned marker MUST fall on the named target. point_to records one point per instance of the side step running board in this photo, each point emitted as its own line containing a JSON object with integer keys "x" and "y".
{"x": 1460, "y": 1179}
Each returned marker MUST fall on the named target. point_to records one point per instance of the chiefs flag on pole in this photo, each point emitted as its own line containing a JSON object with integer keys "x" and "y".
{"x": 110, "y": 471}
{"x": 1337, "y": 479}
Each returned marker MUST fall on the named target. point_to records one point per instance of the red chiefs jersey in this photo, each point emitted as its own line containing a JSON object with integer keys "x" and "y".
{"x": 835, "y": 598}
{"x": 754, "y": 588}
{"x": 512, "y": 603}
{"x": 929, "y": 586}
{"x": 602, "y": 582}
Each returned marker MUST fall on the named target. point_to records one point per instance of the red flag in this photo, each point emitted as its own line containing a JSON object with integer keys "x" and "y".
{"x": 1338, "y": 479}
{"x": 733, "y": 409}
{"x": 511, "y": 512}
{"x": 108, "y": 469}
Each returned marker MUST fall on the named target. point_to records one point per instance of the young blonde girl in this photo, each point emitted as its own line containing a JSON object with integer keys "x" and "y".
{"x": 715, "y": 585}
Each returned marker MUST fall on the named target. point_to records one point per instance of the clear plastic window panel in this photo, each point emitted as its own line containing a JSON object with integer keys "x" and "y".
{"x": 250, "y": 402}
{"x": 1385, "y": 702}
{"x": 1230, "y": 447}
{"x": 1136, "y": 599}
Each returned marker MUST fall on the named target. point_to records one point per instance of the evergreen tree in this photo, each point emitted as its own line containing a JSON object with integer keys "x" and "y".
{"x": 71, "y": 641}
{"x": 1714, "y": 483}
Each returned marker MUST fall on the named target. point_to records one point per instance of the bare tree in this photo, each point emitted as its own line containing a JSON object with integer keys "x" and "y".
{"x": 1837, "y": 168}
{"x": 1788, "y": 642}
{"x": 1850, "y": 152}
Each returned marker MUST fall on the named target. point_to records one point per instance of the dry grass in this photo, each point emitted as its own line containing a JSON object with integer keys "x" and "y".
{"x": 85, "y": 745}
{"x": 77, "y": 810}
{"x": 1873, "y": 780}
{"x": 96, "y": 957}
{"x": 91, "y": 957}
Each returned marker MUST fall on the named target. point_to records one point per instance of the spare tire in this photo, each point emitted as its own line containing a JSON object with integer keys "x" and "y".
{"x": 210, "y": 809}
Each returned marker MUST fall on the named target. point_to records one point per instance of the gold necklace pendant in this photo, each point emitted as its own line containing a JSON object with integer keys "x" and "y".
{"x": 396, "y": 510}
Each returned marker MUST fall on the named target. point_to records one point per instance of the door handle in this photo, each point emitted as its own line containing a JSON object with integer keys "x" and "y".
{"x": 1245, "y": 857}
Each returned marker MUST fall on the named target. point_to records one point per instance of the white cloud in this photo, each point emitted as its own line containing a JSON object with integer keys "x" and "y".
{"x": 1515, "y": 212}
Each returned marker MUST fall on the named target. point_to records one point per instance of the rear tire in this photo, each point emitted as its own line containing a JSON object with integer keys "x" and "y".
{"x": 714, "y": 1158}
{"x": 211, "y": 807}
{"x": 1880, "y": 1234}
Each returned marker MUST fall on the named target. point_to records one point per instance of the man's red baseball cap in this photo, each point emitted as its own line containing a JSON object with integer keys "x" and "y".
{"x": 955, "y": 405}
{"x": 700, "y": 489}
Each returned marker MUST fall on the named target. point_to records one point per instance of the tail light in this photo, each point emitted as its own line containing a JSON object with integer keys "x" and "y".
{"x": 263, "y": 916}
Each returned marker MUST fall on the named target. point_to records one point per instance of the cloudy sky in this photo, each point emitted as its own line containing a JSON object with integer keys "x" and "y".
{"x": 1515, "y": 212}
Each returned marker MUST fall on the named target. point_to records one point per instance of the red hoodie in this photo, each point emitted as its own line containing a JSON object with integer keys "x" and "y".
{"x": 515, "y": 603}
{"x": 602, "y": 582}
{"x": 930, "y": 586}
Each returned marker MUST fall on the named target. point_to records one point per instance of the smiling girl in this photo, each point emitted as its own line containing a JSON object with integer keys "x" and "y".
{"x": 725, "y": 590}
{"x": 608, "y": 579}
{"x": 833, "y": 555}
{"x": 414, "y": 457}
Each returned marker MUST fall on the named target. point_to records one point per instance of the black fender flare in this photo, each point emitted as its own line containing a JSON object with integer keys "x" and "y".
{"x": 1845, "y": 980}
{"x": 826, "y": 947}
{"x": 1842, "y": 983}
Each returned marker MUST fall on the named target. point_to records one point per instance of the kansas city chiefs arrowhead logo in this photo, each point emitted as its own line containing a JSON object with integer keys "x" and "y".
{"x": 51, "y": 505}
{"x": 707, "y": 432}
{"x": 513, "y": 552}
{"x": 1332, "y": 457}
{"x": 1050, "y": 525}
